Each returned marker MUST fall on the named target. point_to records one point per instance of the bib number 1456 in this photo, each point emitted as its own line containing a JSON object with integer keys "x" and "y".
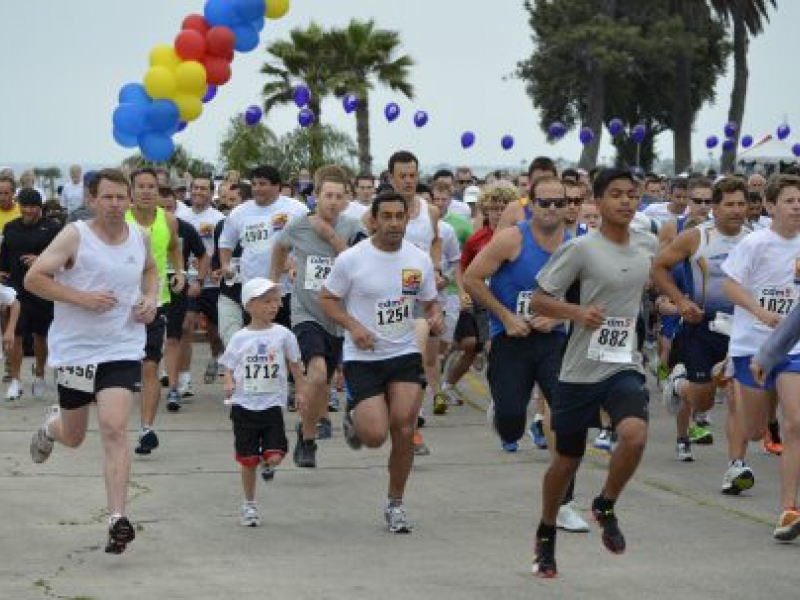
{"x": 80, "y": 378}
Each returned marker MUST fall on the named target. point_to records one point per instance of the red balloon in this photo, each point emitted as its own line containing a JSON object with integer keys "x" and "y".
{"x": 218, "y": 70}
{"x": 220, "y": 41}
{"x": 196, "y": 23}
{"x": 190, "y": 45}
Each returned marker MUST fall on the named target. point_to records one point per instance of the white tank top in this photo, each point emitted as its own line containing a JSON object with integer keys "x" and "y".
{"x": 81, "y": 337}
{"x": 419, "y": 230}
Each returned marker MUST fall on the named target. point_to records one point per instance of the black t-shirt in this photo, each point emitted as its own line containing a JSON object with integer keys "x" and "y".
{"x": 234, "y": 292}
{"x": 20, "y": 239}
{"x": 191, "y": 242}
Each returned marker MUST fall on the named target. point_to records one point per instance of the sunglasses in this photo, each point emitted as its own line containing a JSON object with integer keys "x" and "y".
{"x": 464, "y": 181}
{"x": 575, "y": 200}
{"x": 706, "y": 201}
{"x": 550, "y": 202}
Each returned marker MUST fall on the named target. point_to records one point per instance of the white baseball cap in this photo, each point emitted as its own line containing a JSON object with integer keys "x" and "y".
{"x": 471, "y": 194}
{"x": 255, "y": 288}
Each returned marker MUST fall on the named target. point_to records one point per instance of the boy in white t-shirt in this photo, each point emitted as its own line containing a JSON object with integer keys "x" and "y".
{"x": 8, "y": 298}
{"x": 257, "y": 362}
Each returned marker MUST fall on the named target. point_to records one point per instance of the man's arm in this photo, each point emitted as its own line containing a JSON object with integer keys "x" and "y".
{"x": 512, "y": 214}
{"x": 436, "y": 243}
{"x": 280, "y": 254}
{"x": 175, "y": 253}
{"x": 740, "y": 296}
{"x": 332, "y": 307}
{"x": 681, "y": 248}
{"x": 591, "y": 317}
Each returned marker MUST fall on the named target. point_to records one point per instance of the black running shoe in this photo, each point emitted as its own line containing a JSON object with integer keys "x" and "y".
{"x": 544, "y": 559}
{"x": 120, "y": 534}
{"x": 613, "y": 539}
{"x": 267, "y": 472}
{"x": 324, "y": 429}
{"x": 305, "y": 455}
{"x": 173, "y": 401}
{"x": 148, "y": 442}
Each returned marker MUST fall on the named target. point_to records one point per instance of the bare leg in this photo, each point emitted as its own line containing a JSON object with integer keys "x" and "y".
{"x": 631, "y": 440}
{"x": 113, "y": 407}
{"x": 317, "y": 385}
{"x": 404, "y": 403}
{"x": 790, "y": 459}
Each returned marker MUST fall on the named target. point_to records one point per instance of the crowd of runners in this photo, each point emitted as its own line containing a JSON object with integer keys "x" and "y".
{"x": 569, "y": 286}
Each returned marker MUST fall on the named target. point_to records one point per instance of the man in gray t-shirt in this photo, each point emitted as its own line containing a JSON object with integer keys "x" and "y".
{"x": 601, "y": 276}
{"x": 314, "y": 242}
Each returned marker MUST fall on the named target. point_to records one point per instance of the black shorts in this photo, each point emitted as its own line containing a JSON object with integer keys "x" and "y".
{"x": 258, "y": 434}
{"x": 154, "y": 344}
{"x": 175, "y": 312}
{"x": 125, "y": 374}
{"x": 575, "y": 407}
{"x": 517, "y": 364}
{"x": 699, "y": 349}
{"x": 284, "y": 316}
{"x": 206, "y": 304}
{"x": 314, "y": 340}
{"x": 473, "y": 323}
{"x": 34, "y": 318}
{"x": 367, "y": 379}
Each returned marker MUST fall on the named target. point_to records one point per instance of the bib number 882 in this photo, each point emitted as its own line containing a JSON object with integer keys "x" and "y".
{"x": 614, "y": 338}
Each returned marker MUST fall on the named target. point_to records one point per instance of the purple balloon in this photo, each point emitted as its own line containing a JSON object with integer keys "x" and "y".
{"x": 712, "y": 141}
{"x": 747, "y": 141}
{"x": 638, "y": 133}
{"x": 586, "y": 136}
{"x": 301, "y": 96}
{"x": 391, "y": 112}
{"x": 305, "y": 117}
{"x": 350, "y": 103}
{"x": 420, "y": 118}
{"x": 783, "y": 132}
{"x": 730, "y": 129}
{"x": 615, "y": 126}
{"x": 467, "y": 139}
{"x": 796, "y": 149}
{"x": 556, "y": 130}
{"x": 181, "y": 126}
{"x": 507, "y": 142}
{"x": 211, "y": 93}
{"x": 252, "y": 115}
{"x": 728, "y": 145}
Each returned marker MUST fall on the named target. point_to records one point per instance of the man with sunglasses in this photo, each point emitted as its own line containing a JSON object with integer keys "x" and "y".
{"x": 574, "y": 197}
{"x": 697, "y": 211}
{"x": 663, "y": 212}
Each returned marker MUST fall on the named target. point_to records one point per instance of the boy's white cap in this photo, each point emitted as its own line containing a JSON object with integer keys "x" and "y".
{"x": 471, "y": 194}
{"x": 255, "y": 288}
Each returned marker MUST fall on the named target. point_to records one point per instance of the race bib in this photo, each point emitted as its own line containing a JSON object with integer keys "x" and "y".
{"x": 613, "y": 341}
{"x": 256, "y": 237}
{"x": 393, "y": 318}
{"x": 524, "y": 307}
{"x": 317, "y": 270}
{"x": 262, "y": 373}
{"x": 80, "y": 379}
{"x": 778, "y": 299}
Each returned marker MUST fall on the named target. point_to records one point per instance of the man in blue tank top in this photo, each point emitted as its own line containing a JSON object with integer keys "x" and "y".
{"x": 526, "y": 348}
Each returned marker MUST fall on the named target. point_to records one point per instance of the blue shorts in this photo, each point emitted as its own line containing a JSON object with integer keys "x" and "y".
{"x": 669, "y": 326}
{"x": 742, "y": 374}
{"x": 699, "y": 349}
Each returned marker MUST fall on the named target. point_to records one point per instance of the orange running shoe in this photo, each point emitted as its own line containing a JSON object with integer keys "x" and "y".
{"x": 420, "y": 448}
{"x": 772, "y": 440}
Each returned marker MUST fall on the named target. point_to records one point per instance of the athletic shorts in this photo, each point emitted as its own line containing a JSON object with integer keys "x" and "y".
{"x": 452, "y": 310}
{"x": 669, "y": 326}
{"x": 155, "y": 330}
{"x": 517, "y": 364}
{"x": 575, "y": 407}
{"x": 367, "y": 379}
{"x": 231, "y": 318}
{"x": 206, "y": 304}
{"x": 741, "y": 371}
{"x": 699, "y": 349}
{"x": 34, "y": 318}
{"x": 284, "y": 316}
{"x": 258, "y": 434}
{"x": 473, "y": 323}
{"x": 314, "y": 340}
{"x": 125, "y": 374}
{"x": 175, "y": 313}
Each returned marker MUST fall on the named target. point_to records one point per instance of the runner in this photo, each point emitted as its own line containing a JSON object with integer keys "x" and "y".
{"x": 370, "y": 292}
{"x": 104, "y": 283}
{"x": 600, "y": 369}
{"x": 663, "y": 212}
{"x": 520, "y": 211}
{"x": 763, "y": 276}
{"x": 9, "y": 209}
{"x": 315, "y": 241}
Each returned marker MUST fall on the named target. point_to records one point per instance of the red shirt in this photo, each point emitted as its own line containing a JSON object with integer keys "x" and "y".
{"x": 474, "y": 244}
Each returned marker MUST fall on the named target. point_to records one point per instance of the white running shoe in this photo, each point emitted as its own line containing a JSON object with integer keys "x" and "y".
{"x": 41, "y": 443}
{"x": 14, "y": 391}
{"x": 683, "y": 451}
{"x": 397, "y": 520}
{"x": 570, "y": 519}
{"x": 39, "y": 388}
{"x": 185, "y": 389}
{"x": 669, "y": 395}
{"x": 249, "y": 515}
{"x": 738, "y": 478}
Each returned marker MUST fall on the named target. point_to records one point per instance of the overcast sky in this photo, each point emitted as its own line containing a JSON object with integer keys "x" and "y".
{"x": 65, "y": 60}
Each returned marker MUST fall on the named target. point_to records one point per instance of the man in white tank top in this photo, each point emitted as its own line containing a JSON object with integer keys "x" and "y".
{"x": 104, "y": 283}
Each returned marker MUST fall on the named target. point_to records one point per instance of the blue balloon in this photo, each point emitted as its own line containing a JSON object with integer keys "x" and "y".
{"x": 615, "y": 126}
{"x": 507, "y": 142}
{"x": 350, "y": 103}
{"x": 211, "y": 93}
{"x": 163, "y": 115}
{"x": 181, "y": 126}
{"x": 420, "y": 118}
{"x": 301, "y": 95}
{"x": 586, "y": 136}
{"x": 747, "y": 141}
{"x": 712, "y": 141}
{"x": 249, "y": 10}
{"x": 156, "y": 147}
{"x": 133, "y": 93}
{"x": 305, "y": 117}
{"x": 391, "y": 112}
{"x": 125, "y": 140}
{"x": 556, "y": 130}
{"x": 246, "y": 37}
{"x": 796, "y": 149}
{"x": 783, "y": 132}
{"x": 130, "y": 119}
{"x": 252, "y": 115}
{"x": 220, "y": 12}
{"x": 638, "y": 133}
{"x": 730, "y": 129}
{"x": 259, "y": 24}
{"x": 467, "y": 139}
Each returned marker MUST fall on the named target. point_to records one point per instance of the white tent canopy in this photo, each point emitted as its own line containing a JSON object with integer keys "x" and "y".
{"x": 769, "y": 149}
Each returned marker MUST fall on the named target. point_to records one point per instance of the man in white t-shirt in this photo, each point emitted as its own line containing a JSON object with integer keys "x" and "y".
{"x": 72, "y": 193}
{"x": 364, "y": 185}
{"x": 371, "y": 292}
{"x": 456, "y": 206}
{"x": 663, "y": 212}
{"x": 763, "y": 279}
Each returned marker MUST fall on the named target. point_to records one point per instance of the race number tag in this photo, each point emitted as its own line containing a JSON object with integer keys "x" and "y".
{"x": 317, "y": 270}
{"x": 256, "y": 237}
{"x": 262, "y": 373}
{"x": 613, "y": 341}
{"x": 524, "y": 307}
{"x": 393, "y": 317}
{"x": 80, "y": 379}
{"x": 778, "y": 299}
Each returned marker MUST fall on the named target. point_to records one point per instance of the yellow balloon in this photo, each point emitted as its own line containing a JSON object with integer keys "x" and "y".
{"x": 277, "y": 8}
{"x": 164, "y": 55}
{"x": 191, "y": 78}
{"x": 160, "y": 83}
{"x": 190, "y": 107}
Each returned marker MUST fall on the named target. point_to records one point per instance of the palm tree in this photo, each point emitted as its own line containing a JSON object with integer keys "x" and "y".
{"x": 365, "y": 56}
{"x": 245, "y": 146}
{"x": 305, "y": 58}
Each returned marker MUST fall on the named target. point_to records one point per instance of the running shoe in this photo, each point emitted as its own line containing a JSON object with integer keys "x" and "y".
{"x": 120, "y": 534}
{"x": 452, "y": 395}
{"x": 738, "y": 478}
{"x": 773, "y": 444}
{"x": 324, "y": 429}
{"x": 509, "y": 447}
{"x": 333, "y": 401}
{"x": 683, "y": 450}
{"x": 613, "y": 539}
{"x": 663, "y": 373}
{"x": 14, "y": 391}
{"x": 397, "y": 520}
{"x": 479, "y": 364}
{"x": 212, "y": 368}
{"x": 440, "y": 404}
{"x": 544, "y": 558}
{"x": 536, "y": 433}
{"x": 305, "y": 451}
{"x": 185, "y": 389}
{"x": 249, "y": 514}
{"x": 788, "y": 527}
{"x": 41, "y": 443}
{"x": 669, "y": 395}
{"x": 291, "y": 406}
{"x": 173, "y": 401}
{"x": 420, "y": 447}
{"x": 700, "y": 435}
{"x": 163, "y": 378}
{"x": 267, "y": 472}
{"x": 349, "y": 430}
{"x": 148, "y": 441}
{"x": 603, "y": 440}
{"x": 702, "y": 419}
{"x": 39, "y": 388}
{"x": 570, "y": 519}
